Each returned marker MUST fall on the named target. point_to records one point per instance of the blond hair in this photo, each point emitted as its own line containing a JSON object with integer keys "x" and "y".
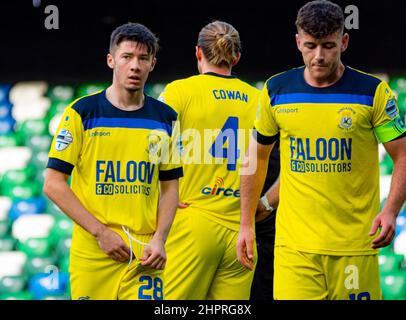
{"x": 220, "y": 43}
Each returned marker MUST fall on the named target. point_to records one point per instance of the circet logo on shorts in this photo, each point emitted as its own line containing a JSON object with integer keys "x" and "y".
{"x": 63, "y": 140}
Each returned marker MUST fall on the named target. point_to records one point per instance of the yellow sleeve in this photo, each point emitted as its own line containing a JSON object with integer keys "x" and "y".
{"x": 67, "y": 142}
{"x": 265, "y": 125}
{"x": 170, "y": 165}
{"x": 386, "y": 119}
{"x": 173, "y": 97}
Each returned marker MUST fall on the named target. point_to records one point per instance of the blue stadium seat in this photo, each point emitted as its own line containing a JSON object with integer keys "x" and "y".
{"x": 7, "y": 125}
{"x": 27, "y": 206}
{"x": 4, "y": 92}
{"x": 5, "y": 109}
{"x": 42, "y": 285}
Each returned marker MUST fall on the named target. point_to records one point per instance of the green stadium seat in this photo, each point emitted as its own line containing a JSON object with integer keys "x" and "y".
{"x": 63, "y": 247}
{"x": 53, "y": 123}
{"x": 394, "y": 285}
{"x": 7, "y": 244}
{"x": 24, "y": 191}
{"x": 402, "y": 102}
{"x": 90, "y": 88}
{"x": 63, "y": 263}
{"x": 32, "y": 127}
{"x": 63, "y": 296}
{"x": 22, "y": 295}
{"x": 12, "y": 284}
{"x": 38, "y": 143}
{"x": 156, "y": 90}
{"x": 35, "y": 247}
{"x": 61, "y": 92}
{"x": 398, "y": 84}
{"x": 61, "y": 229}
{"x": 386, "y": 165}
{"x": 57, "y": 108}
{"x": 390, "y": 262}
{"x": 4, "y": 228}
{"x": 40, "y": 176}
{"x": 15, "y": 177}
{"x": 9, "y": 140}
{"x": 39, "y": 160}
{"x": 36, "y": 265}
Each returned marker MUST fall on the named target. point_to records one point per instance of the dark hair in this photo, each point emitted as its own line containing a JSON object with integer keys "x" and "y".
{"x": 320, "y": 18}
{"x": 134, "y": 32}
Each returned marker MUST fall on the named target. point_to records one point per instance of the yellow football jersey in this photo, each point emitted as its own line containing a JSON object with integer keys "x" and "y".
{"x": 329, "y": 136}
{"x": 116, "y": 158}
{"x": 216, "y": 115}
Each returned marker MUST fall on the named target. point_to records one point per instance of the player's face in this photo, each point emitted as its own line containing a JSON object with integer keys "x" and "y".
{"x": 131, "y": 64}
{"x": 322, "y": 56}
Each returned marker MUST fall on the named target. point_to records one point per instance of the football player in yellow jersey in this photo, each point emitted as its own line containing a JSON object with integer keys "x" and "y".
{"x": 114, "y": 143}
{"x": 330, "y": 118}
{"x": 216, "y": 112}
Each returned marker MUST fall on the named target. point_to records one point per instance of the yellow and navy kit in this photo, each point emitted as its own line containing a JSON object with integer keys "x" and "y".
{"x": 116, "y": 158}
{"x": 329, "y": 139}
{"x": 216, "y": 113}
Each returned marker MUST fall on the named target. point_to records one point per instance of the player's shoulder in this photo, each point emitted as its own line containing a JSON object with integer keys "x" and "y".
{"x": 188, "y": 81}
{"x": 86, "y": 104}
{"x": 164, "y": 110}
{"x": 287, "y": 79}
{"x": 362, "y": 81}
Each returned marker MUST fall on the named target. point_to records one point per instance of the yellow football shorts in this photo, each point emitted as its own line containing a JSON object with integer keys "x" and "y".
{"x": 95, "y": 276}
{"x": 202, "y": 261}
{"x": 307, "y": 276}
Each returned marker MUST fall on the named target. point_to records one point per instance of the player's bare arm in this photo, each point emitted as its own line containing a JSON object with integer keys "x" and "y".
{"x": 386, "y": 219}
{"x": 272, "y": 195}
{"x": 57, "y": 189}
{"x": 251, "y": 186}
{"x": 154, "y": 253}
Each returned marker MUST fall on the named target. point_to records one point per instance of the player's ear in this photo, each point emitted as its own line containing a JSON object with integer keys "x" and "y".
{"x": 110, "y": 60}
{"x": 152, "y": 64}
{"x": 344, "y": 42}
{"x": 237, "y": 59}
{"x": 298, "y": 41}
{"x": 198, "y": 53}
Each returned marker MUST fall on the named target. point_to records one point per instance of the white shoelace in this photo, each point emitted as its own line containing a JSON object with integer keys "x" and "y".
{"x": 130, "y": 240}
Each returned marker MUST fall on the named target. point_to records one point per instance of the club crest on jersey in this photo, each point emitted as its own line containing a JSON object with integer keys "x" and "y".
{"x": 63, "y": 140}
{"x": 347, "y": 119}
{"x": 156, "y": 140}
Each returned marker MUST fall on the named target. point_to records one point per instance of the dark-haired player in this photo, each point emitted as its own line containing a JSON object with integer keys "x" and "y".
{"x": 331, "y": 118}
{"x": 114, "y": 143}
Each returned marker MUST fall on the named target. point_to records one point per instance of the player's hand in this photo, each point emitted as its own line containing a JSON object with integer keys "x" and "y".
{"x": 182, "y": 205}
{"x": 387, "y": 221}
{"x": 245, "y": 247}
{"x": 113, "y": 245}
{"x": 154, "y": 254}
{"x": 261, "y": 213}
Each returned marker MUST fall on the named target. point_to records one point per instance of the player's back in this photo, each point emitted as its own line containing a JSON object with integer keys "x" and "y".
{"x": 216, "y": 115}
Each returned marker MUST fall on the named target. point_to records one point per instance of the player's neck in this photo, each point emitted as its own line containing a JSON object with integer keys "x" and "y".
{"x": 207, "y": 67}
{"x": 124, "y": 99}
{"x": 326, "y": 82}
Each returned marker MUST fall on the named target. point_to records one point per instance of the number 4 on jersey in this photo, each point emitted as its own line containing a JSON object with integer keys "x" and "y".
{"x": 228, "y": 133}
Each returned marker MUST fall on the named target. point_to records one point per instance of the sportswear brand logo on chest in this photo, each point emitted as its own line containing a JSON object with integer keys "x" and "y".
{"x": 100, "y": 134}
